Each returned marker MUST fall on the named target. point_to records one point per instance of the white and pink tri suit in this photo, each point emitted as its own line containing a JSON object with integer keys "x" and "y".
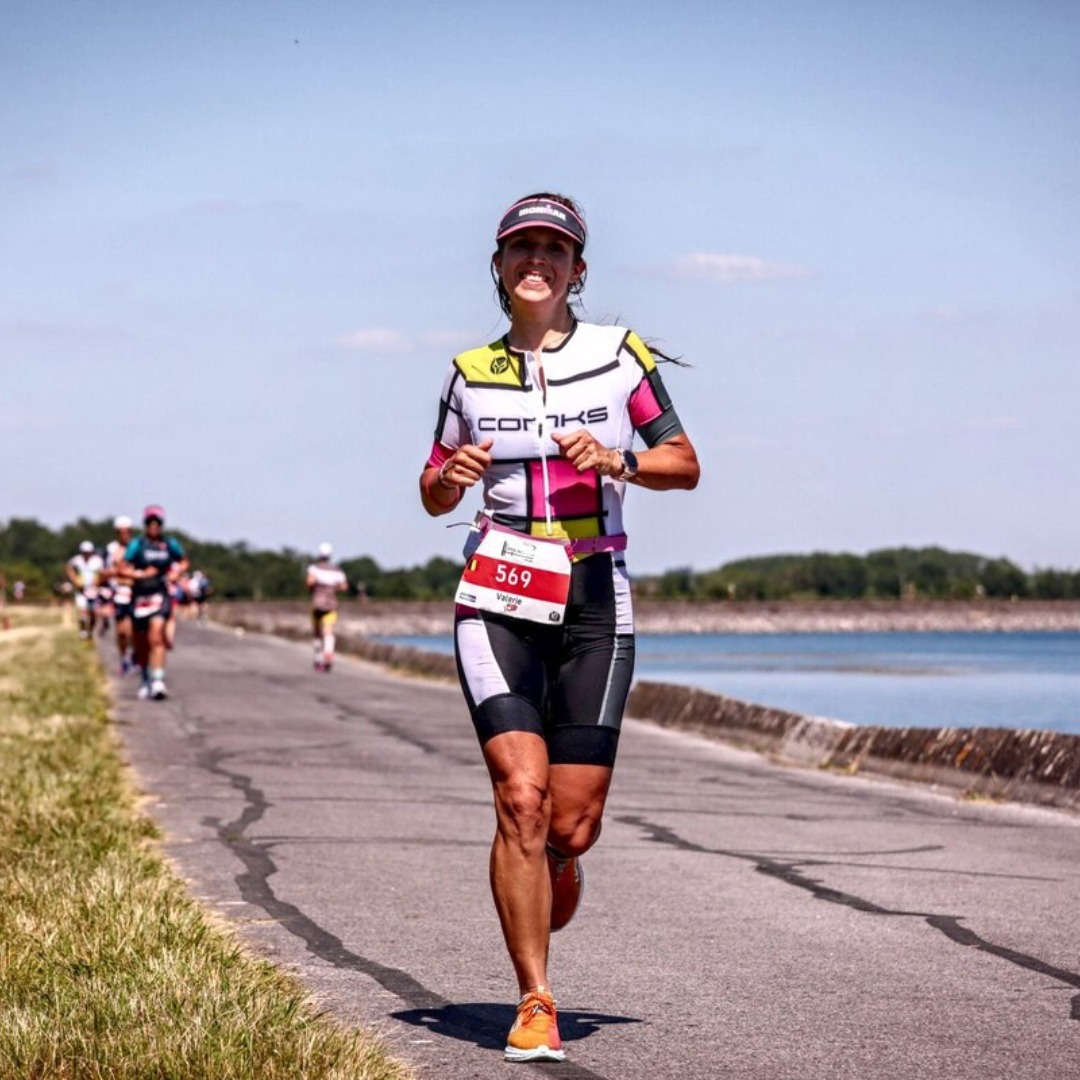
{"x": 603, "y": 379}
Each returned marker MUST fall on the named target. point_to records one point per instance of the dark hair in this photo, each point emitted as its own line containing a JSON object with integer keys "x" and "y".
{"x": 501, "y": 295}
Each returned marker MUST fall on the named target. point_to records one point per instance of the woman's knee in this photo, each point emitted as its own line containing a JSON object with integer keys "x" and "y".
{"x": 575, "y": 833}
{"x": 524, "y": 808}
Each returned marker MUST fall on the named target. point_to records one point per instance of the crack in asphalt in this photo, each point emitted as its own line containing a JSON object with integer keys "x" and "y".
{"x": 393, "y": 730}
{"x": 427, "y": 1009}
{"x": 255, "y": 888}
{"x": 788, "y": 872}
{"x": 480, "y": 1023}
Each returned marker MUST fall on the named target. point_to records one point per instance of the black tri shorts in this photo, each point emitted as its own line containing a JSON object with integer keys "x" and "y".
{"x": 567, "y": 684}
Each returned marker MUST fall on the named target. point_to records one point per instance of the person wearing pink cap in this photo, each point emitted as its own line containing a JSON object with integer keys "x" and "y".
{"x": 544, "y": 421}
{"x": 152, "y": 563}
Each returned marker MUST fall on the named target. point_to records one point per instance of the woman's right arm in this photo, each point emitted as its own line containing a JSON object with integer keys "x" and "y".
{"x": 442, "y": 486}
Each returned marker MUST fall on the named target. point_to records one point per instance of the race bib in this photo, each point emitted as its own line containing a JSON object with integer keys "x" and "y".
{"x": 148, "y": 606}
{"x": 512, "y": 574}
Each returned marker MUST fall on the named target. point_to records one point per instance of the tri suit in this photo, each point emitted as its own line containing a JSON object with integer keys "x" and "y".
{"x": 566, "y": 683}
{"x": 151, "y": 595}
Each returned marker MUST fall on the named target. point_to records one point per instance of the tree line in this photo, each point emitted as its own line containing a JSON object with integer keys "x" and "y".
{"x": 34, "y": 554}
{"x": 930, "y": 573}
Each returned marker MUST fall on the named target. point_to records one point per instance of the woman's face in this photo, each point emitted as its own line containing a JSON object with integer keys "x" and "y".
{"x": 537, "y": 265}
{"x": 153, "y": 528}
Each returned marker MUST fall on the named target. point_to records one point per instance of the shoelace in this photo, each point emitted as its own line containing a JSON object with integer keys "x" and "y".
{"x": 532, "y": 1003}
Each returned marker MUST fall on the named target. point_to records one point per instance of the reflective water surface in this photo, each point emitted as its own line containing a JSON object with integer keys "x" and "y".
{"x": 1028, "y": 680}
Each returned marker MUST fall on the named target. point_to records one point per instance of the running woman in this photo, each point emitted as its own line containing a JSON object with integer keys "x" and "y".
{"x": 544, "y": 419}
{"x": 84, "y": 572}
{"x": 152, "y": 563}
{"x": 121, "y": 591}
{"x": 325, "y": 582}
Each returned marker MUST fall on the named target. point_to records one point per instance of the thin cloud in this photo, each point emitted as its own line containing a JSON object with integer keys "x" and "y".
{"x": 221, "y": 205}
{"x": 382, "y": 339}
{"x": 995, "y": 423}
{"x": 453, "y": 340}
{"x": 215, "y": 206}
{"x": 33, "y": 174}
{"x": 709, "y": 266}
{"x": 378, "y": 339}
{"x": 41, "y": 330}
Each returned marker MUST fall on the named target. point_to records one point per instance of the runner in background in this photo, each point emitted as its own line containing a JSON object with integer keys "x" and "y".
{"x": 325, "y": 582}
{"x": 121, "y": 592}
{"x": 178, "y": 596}
{"x": 83, "y": 571}
{"x": 152, "y": 563}
{"x": 199, "y": 589}
{"x": 544, "y": 420}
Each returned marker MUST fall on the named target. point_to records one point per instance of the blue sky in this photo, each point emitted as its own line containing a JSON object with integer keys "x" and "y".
{"x": 241, "y": 242}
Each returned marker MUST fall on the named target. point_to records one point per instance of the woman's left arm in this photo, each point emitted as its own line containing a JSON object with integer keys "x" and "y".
{"x": 668, "y": 466}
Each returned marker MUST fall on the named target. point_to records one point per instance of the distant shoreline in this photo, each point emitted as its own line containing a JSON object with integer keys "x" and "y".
{"x": 394, "y": 618}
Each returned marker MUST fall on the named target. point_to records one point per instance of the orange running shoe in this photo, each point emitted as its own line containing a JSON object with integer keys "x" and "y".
{"x": 567, "y": 887}
{"x": 535, "y": 1034}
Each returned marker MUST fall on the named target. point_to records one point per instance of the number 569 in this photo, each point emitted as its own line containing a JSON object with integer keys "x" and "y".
{"x": 511, "y": 575}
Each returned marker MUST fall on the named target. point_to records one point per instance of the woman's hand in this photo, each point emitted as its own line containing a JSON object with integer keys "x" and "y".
{"x": 466, "y": 465}
{"x": 667, "y": 466}
{"x": 584, "y": 453}
{"x": 441, "y": 489}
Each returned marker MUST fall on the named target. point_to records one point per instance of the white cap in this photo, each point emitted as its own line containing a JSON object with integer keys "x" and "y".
{"x": 86, "y": 547}
{"x": 325, "y": 550}
{"x": 122, "y": 522}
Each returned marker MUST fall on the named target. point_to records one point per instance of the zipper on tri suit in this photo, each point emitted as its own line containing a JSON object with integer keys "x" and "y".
{"x": 533, "y": 364}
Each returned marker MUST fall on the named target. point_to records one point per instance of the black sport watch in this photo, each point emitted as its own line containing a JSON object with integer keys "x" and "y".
{"x": 629, "y": 465}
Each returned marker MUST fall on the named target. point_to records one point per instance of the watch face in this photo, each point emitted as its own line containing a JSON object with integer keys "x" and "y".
{"x": 631, "y": 460}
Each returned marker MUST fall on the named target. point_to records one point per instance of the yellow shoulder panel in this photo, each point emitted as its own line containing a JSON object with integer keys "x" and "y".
{"x": 489, "y": 364}
{"x": 640, "y": 350}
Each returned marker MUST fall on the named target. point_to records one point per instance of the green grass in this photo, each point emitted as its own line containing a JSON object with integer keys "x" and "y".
{"x": 107, "y": 967}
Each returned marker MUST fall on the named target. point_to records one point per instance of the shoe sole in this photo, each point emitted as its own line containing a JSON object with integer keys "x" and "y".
{"x": 538, "y": 1053}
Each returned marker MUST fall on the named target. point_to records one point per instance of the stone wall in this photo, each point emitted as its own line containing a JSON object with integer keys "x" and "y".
{"x": 999, "y": 763}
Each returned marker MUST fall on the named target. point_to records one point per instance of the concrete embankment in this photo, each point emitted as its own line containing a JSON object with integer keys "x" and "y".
{"x": 1001, "y": 763}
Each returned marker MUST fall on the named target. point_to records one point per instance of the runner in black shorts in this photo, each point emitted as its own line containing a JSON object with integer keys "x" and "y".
{"x": 152, "y": 564}
{"x": 545, "y": 419}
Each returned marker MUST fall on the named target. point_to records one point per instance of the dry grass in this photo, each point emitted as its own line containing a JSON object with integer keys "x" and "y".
{"x": 107, "y": 967}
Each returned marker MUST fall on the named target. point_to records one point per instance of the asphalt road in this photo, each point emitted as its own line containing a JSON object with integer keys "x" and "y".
{"x": 740, "y": 919}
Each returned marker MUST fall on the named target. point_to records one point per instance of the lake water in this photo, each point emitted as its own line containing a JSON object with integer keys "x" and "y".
{"x": 1017, "y": 680}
